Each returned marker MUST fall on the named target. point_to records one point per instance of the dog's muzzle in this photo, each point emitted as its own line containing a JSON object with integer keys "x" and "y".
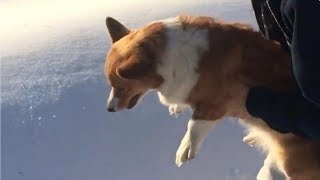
{"x": 112, "y": 102}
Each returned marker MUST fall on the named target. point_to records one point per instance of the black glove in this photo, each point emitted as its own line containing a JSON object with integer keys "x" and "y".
{"x": 285, "y": 112}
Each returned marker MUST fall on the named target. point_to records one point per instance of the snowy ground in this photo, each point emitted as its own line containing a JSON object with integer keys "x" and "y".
{"x": 54, "y": 125}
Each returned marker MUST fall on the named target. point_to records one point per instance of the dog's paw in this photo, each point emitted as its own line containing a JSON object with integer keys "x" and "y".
{"x": 175, "y": 110}
{"x": 249, "y": 139}
{"x": 186, "y": 151}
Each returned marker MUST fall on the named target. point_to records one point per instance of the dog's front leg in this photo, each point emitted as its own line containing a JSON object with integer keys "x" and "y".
{"x": 190, "y": 145}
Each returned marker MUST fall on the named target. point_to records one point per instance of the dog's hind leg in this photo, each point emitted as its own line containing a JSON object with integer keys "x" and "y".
{"x": 250, "y": 139}
{"x": 270, "y": 171}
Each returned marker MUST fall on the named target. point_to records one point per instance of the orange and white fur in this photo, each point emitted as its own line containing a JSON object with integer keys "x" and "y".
{"x": 209, "y": 66}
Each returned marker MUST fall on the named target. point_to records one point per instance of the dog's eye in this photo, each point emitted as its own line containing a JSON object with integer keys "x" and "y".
{"x": 120, "y": 89}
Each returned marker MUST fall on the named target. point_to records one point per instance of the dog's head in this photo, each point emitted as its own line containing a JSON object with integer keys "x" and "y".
{"x": 131, "y": 63}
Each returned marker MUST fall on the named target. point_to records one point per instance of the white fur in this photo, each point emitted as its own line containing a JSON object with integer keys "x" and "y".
{"x": 180, "y": 61}
{"x": 265, "y": 171}
{"x": 190, "y": 145}
{"x": 112, "y": 101}
{"x": 264, "y": 139}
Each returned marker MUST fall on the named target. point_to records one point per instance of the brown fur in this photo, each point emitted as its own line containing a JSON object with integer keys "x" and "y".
{"x": 132, "y": 73}
{"x": 239, "y": 59}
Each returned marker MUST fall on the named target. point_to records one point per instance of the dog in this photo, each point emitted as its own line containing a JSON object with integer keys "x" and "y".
{"x": 208, "y": 65}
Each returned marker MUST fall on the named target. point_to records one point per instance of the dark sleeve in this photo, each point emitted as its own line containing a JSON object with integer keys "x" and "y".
{"x": 292, "y": 112}
{"x": 266, "y": 13}
{"x": 285, "y": 112}
{"x": 305, "y": 48}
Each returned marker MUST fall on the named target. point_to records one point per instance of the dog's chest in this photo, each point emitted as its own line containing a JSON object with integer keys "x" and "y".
{"x": 178, "y": 69}
{"x": 179, "y": 62}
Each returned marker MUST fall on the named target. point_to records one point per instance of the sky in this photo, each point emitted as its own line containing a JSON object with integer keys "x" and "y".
{"x": 54, "y": 124}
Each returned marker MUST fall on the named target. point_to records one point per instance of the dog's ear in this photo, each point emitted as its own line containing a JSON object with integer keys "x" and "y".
{"x": 116, "y": 29}
{"x": 134, "y": 69}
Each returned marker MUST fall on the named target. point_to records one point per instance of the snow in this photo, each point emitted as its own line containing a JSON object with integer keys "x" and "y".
{"x": 54, "y": 124}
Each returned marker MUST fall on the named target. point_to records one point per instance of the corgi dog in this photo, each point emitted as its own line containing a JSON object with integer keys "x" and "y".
{"x": 209, "y": 66}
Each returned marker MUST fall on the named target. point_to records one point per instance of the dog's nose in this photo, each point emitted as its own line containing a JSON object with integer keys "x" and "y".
{"x": 111, "y": 109}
